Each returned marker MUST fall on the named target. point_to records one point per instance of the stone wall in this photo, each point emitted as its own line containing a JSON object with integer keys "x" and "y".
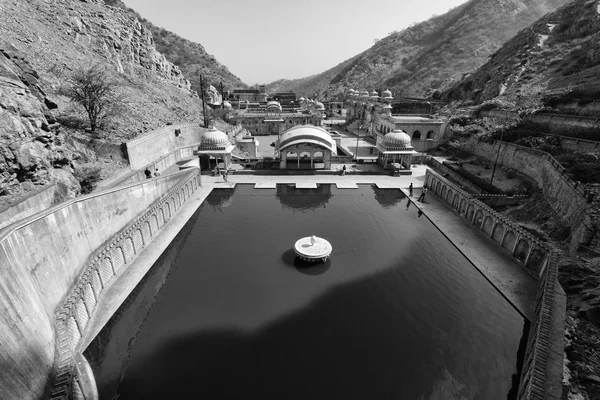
{"x": 541, "y": 374}
{"x": 565, "y": 196}
{"x": 32, "y": 203}
{"x": 42, "y": 259}
{"x": 519, "y": 243}
{"x": 145, "y": 150}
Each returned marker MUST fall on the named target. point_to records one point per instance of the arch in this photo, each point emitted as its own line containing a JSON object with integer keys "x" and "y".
{"x": 430, "y": 135}
{"x": 128, "y": 250}
{"x": 536, "y": 260}
{"x": 106, "y": 271}
{"x": 118, "y": 259}
{"x": 96, "y": 283}
{"x": 478, "y": 218}
{"x": 462, "y": 209}
{"x": 169, "y": 212}
{"x": 89, "y": 297}
{"x": 318, "y": 155}
{"x": 509, "y": 240}
{"x": 81, "y": 313}
{"x": 470, "y": 212}
{"x": 488, "y": 225}
{"x": 455, "y": 201}
{"x": 73, "y": 332}
{"x": 437, "y": 187}
{"x": 449, "y": 196}
{"x": 416, "y": 135}
{"x": 183, "y": 196}
{"x": 521, "y": 250}
{"x": 154, "y": 223}
{"x": 177, "y": 201}
{"x": 138, "y": 240}
{"x": 497, "y": 233}
{"x": 443, "y": 194}
{"x": 187, "y": 190}
{"x": 161, "y": 217}
{"x": 146, "y": 232}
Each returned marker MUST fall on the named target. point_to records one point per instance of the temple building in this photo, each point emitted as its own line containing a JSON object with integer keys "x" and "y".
{"x": 212, "y": 96}
{"x": 395, "y": 151}
{"x": 375, "y": 114}
{"x": 215, "y": 145}
{"x": 305, "y": 146}
{"x": 273, "y": 119}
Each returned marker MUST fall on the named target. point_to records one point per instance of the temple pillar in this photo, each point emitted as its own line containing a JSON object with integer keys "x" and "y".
{"x": 283, "y": 160}
{"x": 311, "y": 159}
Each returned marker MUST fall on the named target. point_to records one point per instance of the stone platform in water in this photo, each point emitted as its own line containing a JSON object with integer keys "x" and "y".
{"x": 313, "y": 249}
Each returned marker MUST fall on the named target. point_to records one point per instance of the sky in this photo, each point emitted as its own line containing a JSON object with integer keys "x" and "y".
{"x": 261, "y": 41}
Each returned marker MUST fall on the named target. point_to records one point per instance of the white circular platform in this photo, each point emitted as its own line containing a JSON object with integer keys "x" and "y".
{"x": 313, "y": 248}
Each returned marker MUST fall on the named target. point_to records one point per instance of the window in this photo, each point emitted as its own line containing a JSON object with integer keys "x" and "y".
{"x": 430, "y": 135}
{"x": 416, "y": 135}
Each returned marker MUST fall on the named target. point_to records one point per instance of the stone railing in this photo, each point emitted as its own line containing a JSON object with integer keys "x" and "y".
{"x": 104, "y": 265}
{"x": 524, "y": 247}
{"x": 535, "y": 378}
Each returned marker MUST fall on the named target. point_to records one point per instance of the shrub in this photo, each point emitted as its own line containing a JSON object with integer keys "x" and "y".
{"x": 88, "y": 178}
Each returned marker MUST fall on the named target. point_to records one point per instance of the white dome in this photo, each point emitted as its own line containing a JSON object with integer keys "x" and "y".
{"x": 387, "y": 94}
{"x": 227, "y": 105}
{"x": 364, "y": 93}
{"x": 273, "y": 105}
{"x": 319, "y": 105}
{"x": 214, "y": 137}
{"x": 374, "y": 94}
{"x": 397, "y": 138}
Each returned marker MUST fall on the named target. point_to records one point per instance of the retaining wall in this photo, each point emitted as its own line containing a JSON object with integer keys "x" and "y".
{"x": 45, "y": 258}
{"x": 564, "y": 195}
{"x": 32, "y": 203}
{"x": 147, "y": 149}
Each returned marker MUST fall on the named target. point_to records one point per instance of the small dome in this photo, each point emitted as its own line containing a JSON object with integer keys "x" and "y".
{"x": 214, "y": 137}
{"x": 397, "y": 138}
{"x": 387, "y": 94}
{"x": 387, "y": 107}
{"x": 319, "y": 106}
{"x": 374, "y": 94}
{"x": 364, "y": 93}
{"x": 302, "y": 99}
{"x": 273, "y": 106}
{"x": 351, "y": 91}
{"x": 227, "y": 105}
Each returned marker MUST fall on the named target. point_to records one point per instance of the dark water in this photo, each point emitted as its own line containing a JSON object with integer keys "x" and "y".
{"x": 397, "y": 313}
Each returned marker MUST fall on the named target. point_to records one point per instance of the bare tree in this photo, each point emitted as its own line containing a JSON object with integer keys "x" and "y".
{"x": 95, "y": 90}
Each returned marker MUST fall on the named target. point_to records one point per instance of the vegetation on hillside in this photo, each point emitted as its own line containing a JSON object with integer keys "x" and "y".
{"x": 557, "y": 59}
{"x": 426, "y": 58}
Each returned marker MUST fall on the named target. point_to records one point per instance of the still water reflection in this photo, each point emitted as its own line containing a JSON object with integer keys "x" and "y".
{"x": 397, "y": 312}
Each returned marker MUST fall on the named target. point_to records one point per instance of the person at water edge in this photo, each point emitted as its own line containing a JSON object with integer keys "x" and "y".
{"x": 407, "y": 204}
{"x": 422, "y": 196}
{"x": 156, "y": 173}
{"x": 420, "y": 213}
{"x": 344, "y": 170}
{"x": 410, "y": 188}
{"x": 148, "y": 173}
{"x": 225, "y": 175}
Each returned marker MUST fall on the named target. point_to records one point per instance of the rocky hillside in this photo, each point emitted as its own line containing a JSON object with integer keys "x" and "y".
{"x": 555, "y": 59}
{"x": 426, "y": 58}
{"x": 43, "y": 136}
{"x": 191, "y": 57}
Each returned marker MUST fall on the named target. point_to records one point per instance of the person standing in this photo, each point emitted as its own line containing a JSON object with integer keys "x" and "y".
{"x": 344, "y": 170}
{"x": 422, "y": 196}
{"x": 410, "y": 188}
{"x": 225, "y": 175}
{"x": 148, "y": 173}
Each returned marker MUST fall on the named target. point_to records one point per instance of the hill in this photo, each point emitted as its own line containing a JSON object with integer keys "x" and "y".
{"x": 191, "y": 57}
{"x": 426, "y": 58}
{"x": 43, "y": 136}
{"x": 555, "y": 60}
